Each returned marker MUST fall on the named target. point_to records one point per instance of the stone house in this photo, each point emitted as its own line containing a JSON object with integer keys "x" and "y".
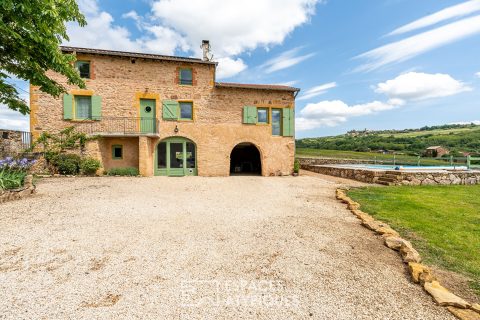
{"x": 168, "y": 116}
{"x": 436, "y": 152}
{"x": 13, "y": 142}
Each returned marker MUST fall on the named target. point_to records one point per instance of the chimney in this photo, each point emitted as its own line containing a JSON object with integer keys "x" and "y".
{"x": 206, "y": 49}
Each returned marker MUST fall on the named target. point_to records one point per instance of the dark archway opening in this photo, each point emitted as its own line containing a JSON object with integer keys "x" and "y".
{"x": 245, "y": 159}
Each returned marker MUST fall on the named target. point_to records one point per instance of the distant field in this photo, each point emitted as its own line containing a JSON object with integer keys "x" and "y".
{"x": 430, "y": 132}
{"x": 388, "y": 158}
{"x": 456, "y": 138}
{"x": 442, "y": 221}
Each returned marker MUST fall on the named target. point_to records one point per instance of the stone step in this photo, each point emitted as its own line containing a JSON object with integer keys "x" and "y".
{"x": 385, "y": 183}
{"x": 387, "y": 179}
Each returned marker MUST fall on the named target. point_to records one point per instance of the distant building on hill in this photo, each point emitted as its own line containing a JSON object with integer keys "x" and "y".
{"x": 436, "y": 151}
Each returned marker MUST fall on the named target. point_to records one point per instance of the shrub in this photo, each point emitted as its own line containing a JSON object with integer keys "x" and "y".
{"x": 11, "y": 179}
{"x": 128, "y": 171}
{"x": 296, "y": 166}
{"x": 89, "y": 166}
{"x": 67, "y": 163}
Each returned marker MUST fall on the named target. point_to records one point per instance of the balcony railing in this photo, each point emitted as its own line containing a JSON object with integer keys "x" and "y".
{"x": 118, "y": 126}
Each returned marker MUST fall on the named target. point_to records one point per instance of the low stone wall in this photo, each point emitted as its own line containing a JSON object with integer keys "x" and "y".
{"x": 13, "y": 142}
{"x": 439, "y": 177}
{"x": 367, "y": 176}
{"x": 322, "y": 161}
{"x": 16, "y": 194}
{"x": 443, "y": 178}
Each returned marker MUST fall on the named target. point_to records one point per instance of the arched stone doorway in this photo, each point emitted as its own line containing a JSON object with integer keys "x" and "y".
{"x": 176, "y": 156}
{"x": 245, "y": 159}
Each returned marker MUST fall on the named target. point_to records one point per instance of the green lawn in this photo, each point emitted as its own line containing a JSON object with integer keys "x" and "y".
{"x": 400, "y": 159}
{"x": 443, "y": 222}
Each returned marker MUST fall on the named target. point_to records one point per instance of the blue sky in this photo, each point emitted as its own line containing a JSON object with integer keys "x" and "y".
{"x": 378, "y": 64}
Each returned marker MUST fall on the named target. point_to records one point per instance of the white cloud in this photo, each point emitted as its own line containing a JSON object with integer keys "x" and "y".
{"x": 318, "y": 90}
{"x": 413, "y": 46}
{"x": 332, "y": 113}
{"x": 477, "y": 74}
{"x": 232, "y": 26}
{"x": 228, "y": 67}
{"x": 476, "y": 122}
{"x": 288, "y": 83}
{"x": 101, "y": 33}
{"x": 13, "y": 120}
{"x": 285, "y": 60}
{"x": 415, "y": 86}
{"x": 455, "y": 11}
{"x": 131, "y": 15}
{"x": 408, "y": 87}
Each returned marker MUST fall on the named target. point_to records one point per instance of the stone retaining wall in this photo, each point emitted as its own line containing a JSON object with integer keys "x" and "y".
{"x": 439, "y": 177}
{"x": 11, "y": 143}
{"x": 367, "y": 176}
{"x": 322, "y": 161}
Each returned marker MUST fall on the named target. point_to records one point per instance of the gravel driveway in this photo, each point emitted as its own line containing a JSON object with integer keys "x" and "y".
{"x": 197, "y": 248}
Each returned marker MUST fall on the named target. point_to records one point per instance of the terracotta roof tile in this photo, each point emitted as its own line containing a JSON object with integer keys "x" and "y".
{"x": 133, "y": 55}
{"x": 256, "y": 86}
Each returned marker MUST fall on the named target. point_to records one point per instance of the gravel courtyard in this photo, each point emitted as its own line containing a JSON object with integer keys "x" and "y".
{"x": 197, "y": 248}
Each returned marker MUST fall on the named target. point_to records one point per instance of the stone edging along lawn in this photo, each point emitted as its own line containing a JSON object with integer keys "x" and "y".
{"x": 20, "y": 193}
{"x": 421, "y": 274}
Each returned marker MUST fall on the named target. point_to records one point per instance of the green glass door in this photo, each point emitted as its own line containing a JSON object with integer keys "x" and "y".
{"x": 147, "y": 116}
{"x": 175, "y": 157}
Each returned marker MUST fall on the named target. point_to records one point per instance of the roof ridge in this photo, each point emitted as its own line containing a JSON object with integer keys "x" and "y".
{"x": 133, "y": 54}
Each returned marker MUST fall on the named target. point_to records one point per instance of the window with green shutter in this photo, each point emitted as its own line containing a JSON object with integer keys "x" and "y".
{"x": 288, "y": 129}
{"x": 262, "y": 115}
{"x": 249, "y": 115}
{"x": 67, "y": 106}
{"x": 170, "y": 109}
{"x": 96, "y": 107}
{"x": 186, "y": 110}
{"x": 83, "y": 107}
{"x": 277, "y": 122}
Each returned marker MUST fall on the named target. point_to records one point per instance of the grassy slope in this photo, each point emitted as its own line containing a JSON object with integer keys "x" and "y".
{"x": 456, "y": 139}
{"x": 443, "y": 222}
{"x": 341, "y": 154}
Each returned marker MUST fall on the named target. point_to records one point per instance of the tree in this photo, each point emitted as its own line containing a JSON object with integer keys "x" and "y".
{"x": 31, "y": 32}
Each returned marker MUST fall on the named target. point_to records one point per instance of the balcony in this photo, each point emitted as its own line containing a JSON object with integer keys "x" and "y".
{"x": 119, "y": 126}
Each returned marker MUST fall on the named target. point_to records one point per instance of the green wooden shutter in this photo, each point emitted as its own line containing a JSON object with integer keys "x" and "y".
{"x": 288, "y": 122}
{"x": 250, "y": 115}
{"x": 170, "y": 109}
{"x": 96, "y": 107}
{"x": 67, "y": 106}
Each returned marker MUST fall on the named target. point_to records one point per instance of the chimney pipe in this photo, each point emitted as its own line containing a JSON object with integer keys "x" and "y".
{"x": 206, "y": 49}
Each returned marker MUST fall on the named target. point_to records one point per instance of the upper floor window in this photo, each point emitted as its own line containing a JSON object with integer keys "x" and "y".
{"x": 186, "y": 77}
{"x": 186, "y": 111}
{"x": 83, "y": 68}
{"x": 277, "y": 122}
{"x": 262, "y": 115}
{"x": 83, "y": 107}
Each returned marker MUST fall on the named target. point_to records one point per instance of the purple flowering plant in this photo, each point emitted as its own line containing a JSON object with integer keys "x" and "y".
{"x": 13, "y": 171}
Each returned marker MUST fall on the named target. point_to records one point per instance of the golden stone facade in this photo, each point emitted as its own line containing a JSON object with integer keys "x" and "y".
{"x": 216, "y": 126}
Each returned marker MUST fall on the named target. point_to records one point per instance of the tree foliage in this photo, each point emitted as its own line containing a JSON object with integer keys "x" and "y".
{"x": 31, "y": 32}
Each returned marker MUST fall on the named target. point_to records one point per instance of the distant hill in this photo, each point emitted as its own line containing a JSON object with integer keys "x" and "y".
{"x": 456, "y": 138}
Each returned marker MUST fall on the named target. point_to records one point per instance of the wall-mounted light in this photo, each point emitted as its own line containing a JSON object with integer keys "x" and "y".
{"x": 176, "y": 129}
